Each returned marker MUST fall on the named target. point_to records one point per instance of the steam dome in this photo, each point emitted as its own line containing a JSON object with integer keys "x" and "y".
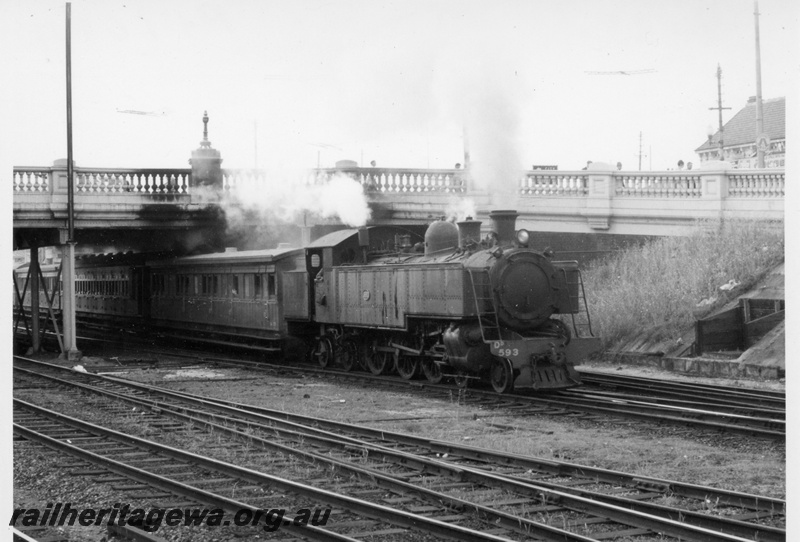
{"x": 441, "y": 235}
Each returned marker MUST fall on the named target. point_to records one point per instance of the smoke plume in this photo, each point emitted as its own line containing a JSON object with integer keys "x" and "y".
{"x": 267, "y": 207}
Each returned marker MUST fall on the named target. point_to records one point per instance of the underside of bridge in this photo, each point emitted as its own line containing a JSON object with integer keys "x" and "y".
{"x": 178, "y": 240}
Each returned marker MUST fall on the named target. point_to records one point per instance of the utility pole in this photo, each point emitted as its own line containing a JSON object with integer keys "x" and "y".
{"x": 719, "y": 108}
{"x": 71, "y": 351}
{"x": 466, "y": 146}
{"x": 640, "y": 151}
{"x": 761, "y": 139}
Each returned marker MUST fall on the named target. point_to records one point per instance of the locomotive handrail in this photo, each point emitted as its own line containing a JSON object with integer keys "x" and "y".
{"x": 484, "y": 314}
{"x": 581, "y": 303}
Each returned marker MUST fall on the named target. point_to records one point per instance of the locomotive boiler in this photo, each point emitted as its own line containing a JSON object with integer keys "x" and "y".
{"x": 452, "y": 304}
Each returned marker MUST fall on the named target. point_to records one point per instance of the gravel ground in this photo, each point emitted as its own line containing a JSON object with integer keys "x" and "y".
{"x": 734, "y": 463}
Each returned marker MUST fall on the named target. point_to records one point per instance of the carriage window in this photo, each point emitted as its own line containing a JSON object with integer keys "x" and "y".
{"x": 258, "y": 288}
{"x": 315, "y": 260}
{"x": 215, "y": 285}
{"x": 271, "y": 284}
{"x": 235, "y": 285}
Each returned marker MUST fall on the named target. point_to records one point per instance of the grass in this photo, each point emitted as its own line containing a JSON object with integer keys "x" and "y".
{"x": 653, "y": 291}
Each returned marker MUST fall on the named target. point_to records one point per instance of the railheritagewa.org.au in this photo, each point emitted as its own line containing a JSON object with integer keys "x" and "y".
{"x": 270, "y": 519}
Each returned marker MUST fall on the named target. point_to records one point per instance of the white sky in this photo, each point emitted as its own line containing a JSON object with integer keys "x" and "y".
{"x": 287, "y": 83}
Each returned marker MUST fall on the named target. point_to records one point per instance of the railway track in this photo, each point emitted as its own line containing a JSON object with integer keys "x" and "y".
{"x": 735, "y": 397}
{"x": 715, "y": 409}
{"x": 180, "y": 479}
{"x": 588, "y": 496}
{"x": 671, "y": 406}
{"x": 723, "y": 408}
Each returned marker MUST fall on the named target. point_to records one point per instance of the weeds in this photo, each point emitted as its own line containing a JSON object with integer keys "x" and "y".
{"x": 655, "y": 289}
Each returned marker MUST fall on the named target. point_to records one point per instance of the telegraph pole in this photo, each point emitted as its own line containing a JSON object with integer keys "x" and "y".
{"x": 640, "y": 151}
{"x": 761, "y": 140}
{"x": 466, "y": 146}
{"x": 68, "y": 260}
{"x": 719, "y": 108}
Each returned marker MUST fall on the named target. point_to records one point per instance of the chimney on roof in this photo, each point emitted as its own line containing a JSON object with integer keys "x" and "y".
{"x": 751, "y": 100}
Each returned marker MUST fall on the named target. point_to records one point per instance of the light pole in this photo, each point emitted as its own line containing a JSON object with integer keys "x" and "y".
{"x": 760, "y": 136}
{"x": 71, "y": 351}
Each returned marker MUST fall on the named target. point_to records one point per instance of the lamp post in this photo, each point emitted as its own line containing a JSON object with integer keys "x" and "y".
{"x": 760, "y": 136}
{"x": 68, "y": 260}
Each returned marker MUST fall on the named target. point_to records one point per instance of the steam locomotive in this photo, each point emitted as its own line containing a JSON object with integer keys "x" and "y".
{"x": 379, "y": 298}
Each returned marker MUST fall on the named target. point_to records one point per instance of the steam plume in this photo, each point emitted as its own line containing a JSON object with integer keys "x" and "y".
{"x": 264, "y": 208}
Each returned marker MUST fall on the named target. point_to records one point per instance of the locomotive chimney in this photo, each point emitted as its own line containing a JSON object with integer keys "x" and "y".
{"x": 469, "y": 231}
{"x": 504, "y": 226}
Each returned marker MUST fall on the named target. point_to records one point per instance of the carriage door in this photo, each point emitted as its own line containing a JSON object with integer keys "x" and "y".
{"x": 270, "y": 296}
{"x": 316, "y": 284}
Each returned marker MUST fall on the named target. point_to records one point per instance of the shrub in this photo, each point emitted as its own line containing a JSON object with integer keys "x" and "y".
{"x": 654, "y": 289}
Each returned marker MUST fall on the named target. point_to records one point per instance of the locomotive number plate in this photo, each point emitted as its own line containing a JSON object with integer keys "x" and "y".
{"x": 499, "y": 349}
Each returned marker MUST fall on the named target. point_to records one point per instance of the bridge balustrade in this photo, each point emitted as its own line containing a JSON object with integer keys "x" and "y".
{"x": 657, "y": 185}
{"x": 756, "y": 184}
{"x": 102, "y": 181}
{"x": 389, "y": 180}
{"x": 741, "y": 183}
{"x": 37, "y": 180}
{"x": 553, "y": 183}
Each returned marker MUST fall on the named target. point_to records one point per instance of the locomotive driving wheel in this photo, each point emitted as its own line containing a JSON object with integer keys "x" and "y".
{"x": 501, "y": 375}
{"x": 323, "y": 352}
{"x": 432, "y": 370}
{"x": 407, "y": 366}
{"x": 348, "y": 355}
{"x": 379, "y": 359}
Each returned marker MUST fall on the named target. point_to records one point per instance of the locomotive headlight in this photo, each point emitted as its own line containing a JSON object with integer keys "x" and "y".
{"x": 523, "y": 237}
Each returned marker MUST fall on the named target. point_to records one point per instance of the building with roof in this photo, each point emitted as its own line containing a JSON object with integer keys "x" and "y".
{"x": 739, "y": 137}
